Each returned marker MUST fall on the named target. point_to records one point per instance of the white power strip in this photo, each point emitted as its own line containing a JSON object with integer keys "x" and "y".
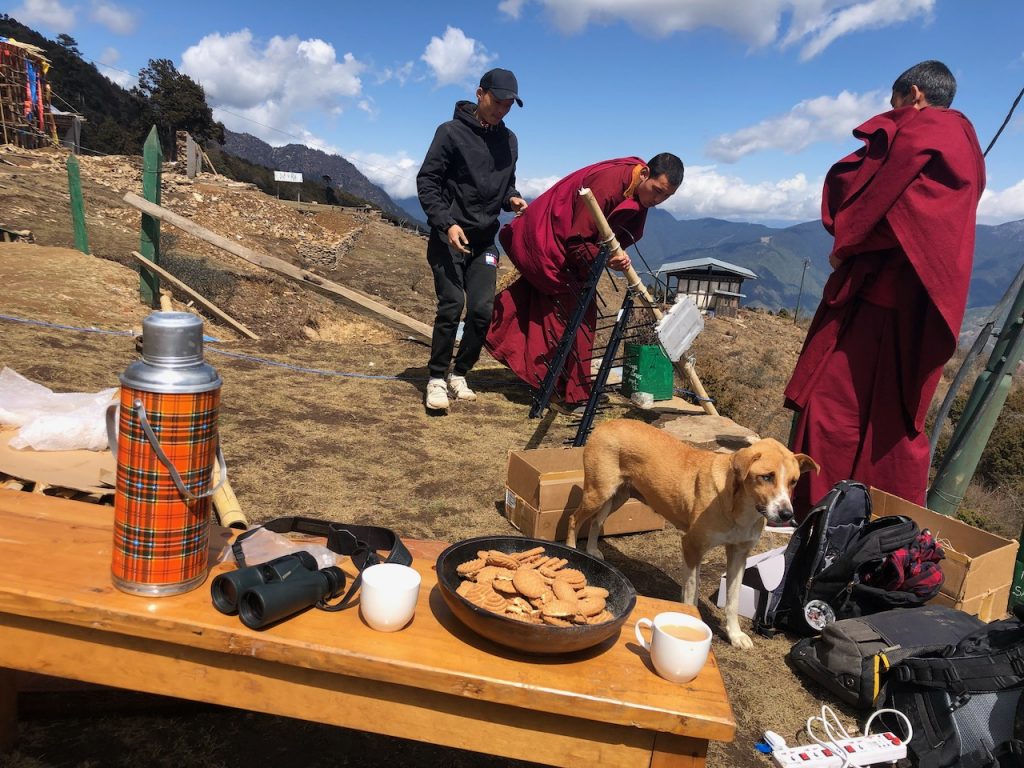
{"x": 861, "y": 751}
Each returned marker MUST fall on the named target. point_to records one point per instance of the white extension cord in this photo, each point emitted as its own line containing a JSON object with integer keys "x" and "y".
{"x": 838, "y": 749}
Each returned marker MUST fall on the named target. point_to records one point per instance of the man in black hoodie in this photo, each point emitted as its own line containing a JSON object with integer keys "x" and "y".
{"x": 468, "y": 175}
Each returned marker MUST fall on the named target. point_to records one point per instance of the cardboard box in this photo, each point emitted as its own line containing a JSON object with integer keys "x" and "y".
{"x": 978, "y": 568}
{"x": 762, "y": 573}
{"x": 545, "y": 485}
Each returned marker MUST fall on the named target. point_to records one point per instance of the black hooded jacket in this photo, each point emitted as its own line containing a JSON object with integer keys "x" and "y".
{"x": 468, "y": 175}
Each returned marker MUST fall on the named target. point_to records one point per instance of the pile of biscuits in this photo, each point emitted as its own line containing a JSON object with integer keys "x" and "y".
{"x": 532, "y": 587}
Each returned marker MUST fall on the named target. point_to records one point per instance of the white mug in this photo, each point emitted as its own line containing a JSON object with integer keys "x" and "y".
{"x": 677, "y": 659}
{"x": 387, "y": 597}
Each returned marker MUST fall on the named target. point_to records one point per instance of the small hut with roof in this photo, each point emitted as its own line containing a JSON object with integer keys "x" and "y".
{"x": 713, "y": 285}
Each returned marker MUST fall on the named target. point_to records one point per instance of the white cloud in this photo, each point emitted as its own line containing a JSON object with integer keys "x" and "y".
{"x": 272, "y": 84}
{"x": 999, "y": 207}
{"x": 512, "y": 8}
{"x": 455, "y": 58}
{"x": 705, "y": 192}
{"x": 532, "y": 188}
{"x": 824, "y": 29}
{"x": 814, "y": 24}
{"x": 824, "y": 118}
{"x": 395, "y": 174}
{"x": 106, "y": 62}
{"x": 401, "y": 73}
{"x": 112, "y": 17}
{"x": 46, "y": 13}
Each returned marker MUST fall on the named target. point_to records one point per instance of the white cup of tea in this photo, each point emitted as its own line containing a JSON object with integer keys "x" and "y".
{"x": 387, "y": 597}
{"x": 679, "y": 645}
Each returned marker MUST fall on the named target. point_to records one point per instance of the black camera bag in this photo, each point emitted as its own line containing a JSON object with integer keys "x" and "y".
{"x": 851, "y": 657}
{"x": 965, "y": 702}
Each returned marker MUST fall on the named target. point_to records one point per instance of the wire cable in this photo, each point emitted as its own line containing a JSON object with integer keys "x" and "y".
{"x": 1005, "y": 121}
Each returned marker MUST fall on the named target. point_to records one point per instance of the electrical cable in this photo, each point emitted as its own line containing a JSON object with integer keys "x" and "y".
{"x": 834, "y": 731}
{"x": 1005, "y": 121}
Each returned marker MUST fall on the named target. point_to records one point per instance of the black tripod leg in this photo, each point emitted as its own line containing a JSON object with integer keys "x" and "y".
{"x": 587, "y": 422}
{"x": 543, "y": 397}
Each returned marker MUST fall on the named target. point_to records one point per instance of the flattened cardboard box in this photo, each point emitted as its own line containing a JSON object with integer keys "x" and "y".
{"x": 978, "y": 567}
{"x": 545, "y": 485}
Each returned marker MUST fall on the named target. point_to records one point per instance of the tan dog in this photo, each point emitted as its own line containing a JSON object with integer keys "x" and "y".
{"x": 713, "y": 498}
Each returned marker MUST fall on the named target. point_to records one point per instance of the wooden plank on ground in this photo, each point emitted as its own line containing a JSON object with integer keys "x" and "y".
{"x": 358, "y": 301}
{"x": 205, "y": 303}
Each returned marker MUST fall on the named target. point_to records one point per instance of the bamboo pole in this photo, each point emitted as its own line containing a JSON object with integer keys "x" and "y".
{"x": 633, "y": 281}
{"x": 225, "y": 503}
{"x": 198, "y": 298}
{"x": 352, "y": 298}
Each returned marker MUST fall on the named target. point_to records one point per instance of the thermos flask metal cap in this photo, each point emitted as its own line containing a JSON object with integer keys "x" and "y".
{"x": 172, "y": 339}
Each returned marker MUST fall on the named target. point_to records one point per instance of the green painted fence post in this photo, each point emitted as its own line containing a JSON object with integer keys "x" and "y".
{"x": 149, "y": 246}
{"x": 77, "y": 205}
{"x": 978, "y": 420}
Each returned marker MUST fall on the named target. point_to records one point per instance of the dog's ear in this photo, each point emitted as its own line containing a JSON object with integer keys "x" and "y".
{"x": 743, "y": 460}
{"x": 806, "y": 463}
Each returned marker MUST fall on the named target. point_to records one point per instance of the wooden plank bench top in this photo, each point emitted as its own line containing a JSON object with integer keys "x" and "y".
{"x": 434, "y": 681}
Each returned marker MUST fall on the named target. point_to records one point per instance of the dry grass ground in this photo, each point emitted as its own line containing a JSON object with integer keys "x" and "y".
{"x": 324, "y": 417}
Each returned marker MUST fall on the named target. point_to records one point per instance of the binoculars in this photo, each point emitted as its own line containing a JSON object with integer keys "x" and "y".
{"x": 265, "y": 593}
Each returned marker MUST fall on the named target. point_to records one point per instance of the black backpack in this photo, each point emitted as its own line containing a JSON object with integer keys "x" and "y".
{"x": 965, "y": 702}
{"x": 851, "y": 658}
{"x": 826, "y": 556}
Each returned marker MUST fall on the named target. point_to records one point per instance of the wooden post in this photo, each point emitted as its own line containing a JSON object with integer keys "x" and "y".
{"x": 149, "y": 246}
{"x": 77, "y": 205}
{"x": 191, "y": 155}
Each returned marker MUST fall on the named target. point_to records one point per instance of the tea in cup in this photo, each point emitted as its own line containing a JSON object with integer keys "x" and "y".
{"x": 679, "y": 645}
{"x": 387, "y": 598}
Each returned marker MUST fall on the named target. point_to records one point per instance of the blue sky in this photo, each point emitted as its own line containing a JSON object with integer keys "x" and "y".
{"x": 757, "y": 96}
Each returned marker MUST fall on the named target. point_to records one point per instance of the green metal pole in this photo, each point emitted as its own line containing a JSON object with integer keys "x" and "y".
{"x": 1017, "y": 588}
{"x": 77, "y": 205}
{"x": 974, "y": 429}
{"x": 149, "y": 246}
{"x": 996, "y": 360}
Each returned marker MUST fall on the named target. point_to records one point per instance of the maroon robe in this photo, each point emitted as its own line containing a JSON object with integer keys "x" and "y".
{"x": 902, "y": 209}
{"x": 553, "y": 244}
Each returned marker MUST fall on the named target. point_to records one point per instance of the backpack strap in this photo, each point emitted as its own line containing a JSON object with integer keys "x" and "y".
{"x": 960, "y": 674}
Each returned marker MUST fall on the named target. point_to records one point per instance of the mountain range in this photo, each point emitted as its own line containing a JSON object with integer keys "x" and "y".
{"x": 313, "y": 164}
{"x": 777, "y": 256}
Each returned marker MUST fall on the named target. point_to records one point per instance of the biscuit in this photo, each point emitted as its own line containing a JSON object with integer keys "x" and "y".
{"x": 529, "y": 583}
{"x": 470, "y": 566}
{"x": 528, "y": 554}
{"x": 572, "y": 576}
{"x": 591, "y": 606}
{"x": 502, "y": 560}
{"x": 563, "y": 590}
{"x": 559, "y": 608}
{"x": 532, "y": 587}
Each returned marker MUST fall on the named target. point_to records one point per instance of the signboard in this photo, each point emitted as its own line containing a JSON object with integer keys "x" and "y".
{"x": 288, "y": 176}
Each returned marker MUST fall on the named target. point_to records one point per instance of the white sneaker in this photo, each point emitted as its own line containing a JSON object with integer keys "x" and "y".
{"x": 459, "y": 389}
{"x": 437, "y": 395}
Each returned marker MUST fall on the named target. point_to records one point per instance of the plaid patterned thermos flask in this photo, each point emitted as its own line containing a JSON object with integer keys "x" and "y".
{"x": 166, "y": 445}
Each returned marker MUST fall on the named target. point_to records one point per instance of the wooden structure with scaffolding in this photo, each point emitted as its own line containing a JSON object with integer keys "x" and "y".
{"x": 25, "y": 116}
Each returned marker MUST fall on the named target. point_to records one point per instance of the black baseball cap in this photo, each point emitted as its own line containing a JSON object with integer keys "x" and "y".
{"x": 502, "y": 84}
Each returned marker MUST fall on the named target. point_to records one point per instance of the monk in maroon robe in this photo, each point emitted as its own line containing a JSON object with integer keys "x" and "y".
{"x": 902, "y": 209}
{"x": 553, "y": 244}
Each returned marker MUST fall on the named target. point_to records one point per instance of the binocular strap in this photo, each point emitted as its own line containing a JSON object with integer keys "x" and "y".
{"x": 359, "y": 542}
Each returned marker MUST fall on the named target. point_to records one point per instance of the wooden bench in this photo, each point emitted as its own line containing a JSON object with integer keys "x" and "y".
{"x": 434, "y": 681}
